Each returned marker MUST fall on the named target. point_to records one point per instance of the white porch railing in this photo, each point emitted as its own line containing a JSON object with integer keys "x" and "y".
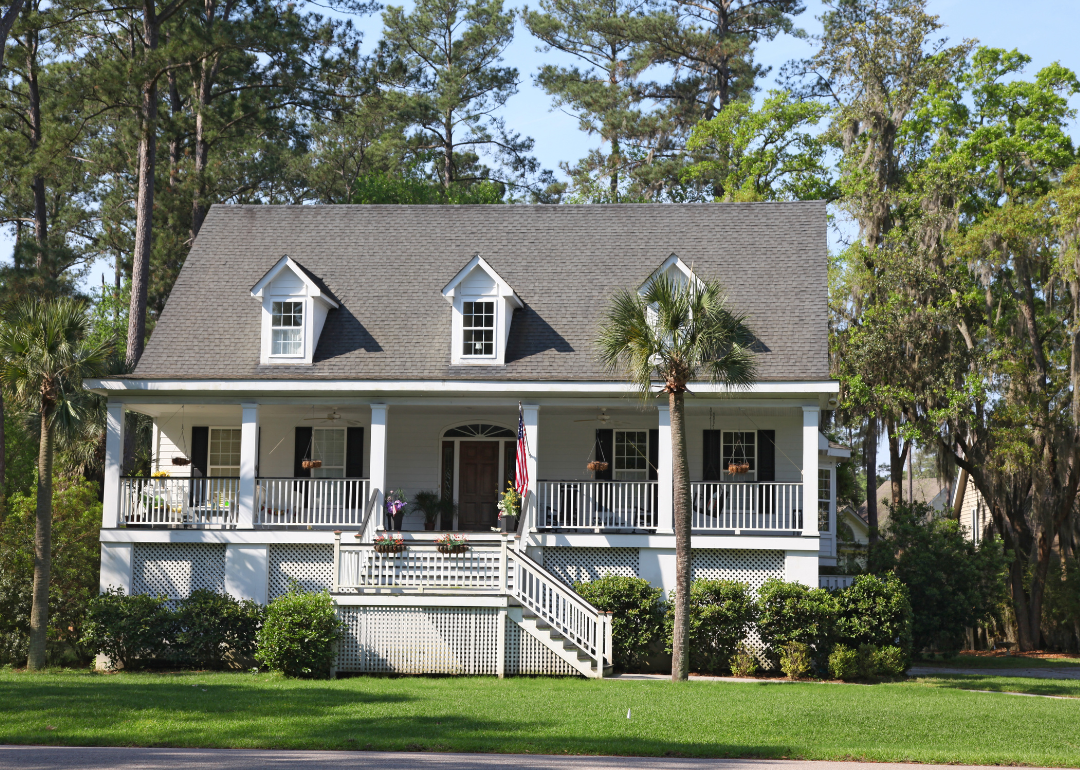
{"x": 597, "y": 504}
{"x": 289, "y": 502}
{"x": 200, "y": 502}
{"x": 770, "y": 506}
{"x": 835, "y": 582}
{"x": 481, "y": 568}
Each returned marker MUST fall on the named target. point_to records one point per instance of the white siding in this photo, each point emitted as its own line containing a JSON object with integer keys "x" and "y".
{"x": 477, "y": 282}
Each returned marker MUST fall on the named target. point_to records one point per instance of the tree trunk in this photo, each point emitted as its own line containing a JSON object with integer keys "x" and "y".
{"x": 870, "y": 466}
{"x": 898, "y": 450}
{"x": 144, "y": 206}
{"x": 6, "y": 23}
{"x": 680, "y": 493}
{"x": 33, "y": 118}
{"x": 3, "y": 461}
{"x": 39, "y": 613}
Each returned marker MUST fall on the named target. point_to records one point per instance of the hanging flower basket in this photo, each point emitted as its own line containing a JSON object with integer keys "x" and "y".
{"x": 458, "y": 548}
{"x": 738, "y": 468}
{"x": 596, "y": 465}
{"x": 452, "y": 543}
{"x": 309, "y": 464}
{"x": 181, "y": 461}
{"x": 389, "y": 547}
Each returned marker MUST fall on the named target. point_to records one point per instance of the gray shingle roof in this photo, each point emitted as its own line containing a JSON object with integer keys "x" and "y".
{"x": 388, "y": 264}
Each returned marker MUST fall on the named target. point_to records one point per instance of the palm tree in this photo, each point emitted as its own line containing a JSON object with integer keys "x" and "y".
{"x": 45, "y": 358}
{"x": 668, "y": 337}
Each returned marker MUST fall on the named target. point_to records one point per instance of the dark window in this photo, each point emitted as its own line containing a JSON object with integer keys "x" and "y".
{"x": 478, "y": 328}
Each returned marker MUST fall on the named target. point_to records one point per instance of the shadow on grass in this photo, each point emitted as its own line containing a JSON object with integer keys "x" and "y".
{"x": 1061, "y": 687}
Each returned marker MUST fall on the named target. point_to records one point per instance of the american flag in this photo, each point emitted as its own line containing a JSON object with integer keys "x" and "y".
{"x": 521, "y": 478}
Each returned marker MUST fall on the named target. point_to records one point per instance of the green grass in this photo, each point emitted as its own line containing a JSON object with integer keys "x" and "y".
{"x": 1012, "y": 661}
{"x": 923, "y": 721}
{"x": 1069, "y": 688}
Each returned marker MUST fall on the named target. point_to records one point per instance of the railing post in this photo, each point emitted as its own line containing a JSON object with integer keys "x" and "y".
{"x": 500, "y": 643}
{"x": 665, "y": 516}
{"x": 114, "y": 453}
{"x": 336, "y": 581}
{"x": 503, "y": 562}
{"x": 810, "y": 471}
{"x": 608, "y": 637}
{"x": 378, "y": 461}
{"x": 249, "y": 452}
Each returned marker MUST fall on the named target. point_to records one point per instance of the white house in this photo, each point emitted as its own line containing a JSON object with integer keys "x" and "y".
{"x": 392, "y": 345}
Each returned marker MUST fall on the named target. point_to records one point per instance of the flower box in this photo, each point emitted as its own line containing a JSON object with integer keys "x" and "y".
{"x": 389, "y": 547}
{"x": 452, "y": 547}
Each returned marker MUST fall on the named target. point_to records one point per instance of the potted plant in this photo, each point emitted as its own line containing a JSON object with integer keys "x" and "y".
{"x": 389, "y": 543}
{"x": 741, "y": 467}
{"x": 452, "y": 542}
{"x": 509, "y": 509}
{"x": 436, "y": 509}
{"x": 395, "y": 508}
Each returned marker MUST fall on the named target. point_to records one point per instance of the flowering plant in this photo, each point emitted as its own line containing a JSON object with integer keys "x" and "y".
{"x": 510, "y": 503}
{"x": 452, "y": 539}
{"x": 389, "y": 539}
{"x": 395, "y": 501}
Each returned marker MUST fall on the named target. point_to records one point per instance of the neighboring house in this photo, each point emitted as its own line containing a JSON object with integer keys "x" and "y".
{"x": 975, "y": 517}
{"x": 932, "y": 491}
{"x": 311, "y": 358}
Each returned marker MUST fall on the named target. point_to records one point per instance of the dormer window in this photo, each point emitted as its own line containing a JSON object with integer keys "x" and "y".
{"x": 484, "y": 306}
{"x": 287, "y": 328}
{"x": 478, "y": 328}
{"x": 294, "y": 308}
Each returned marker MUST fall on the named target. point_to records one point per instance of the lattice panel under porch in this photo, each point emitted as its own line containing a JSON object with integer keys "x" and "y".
{"x": 174, "y": 570}
{"x": 311, "y": 565}
{"x": 419, "y": 640}
{"x": 744, "y": 566}
{"x": 525, "y": 655}
{"x": 573, "y": 564}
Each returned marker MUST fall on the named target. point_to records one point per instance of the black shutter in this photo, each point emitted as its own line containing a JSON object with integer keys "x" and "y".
{"x": 712, "y": 457}
{"x": 766, "y": 459}
{"x": 654, "y": 453}
{"x": 354, "y": 453}
{"x": 605, "y": 452}
{"x": 200, "y": 448}
{"x": 301, "y": 452}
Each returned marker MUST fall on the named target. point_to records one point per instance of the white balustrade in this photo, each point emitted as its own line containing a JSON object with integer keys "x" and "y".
{"x": 835, "y": 582}
{"x": 769, "y": 506}
{"x": 191, "y": 502}
{"x": 597, "y": 504}
{"x": 287, "y": 502}
{"x": 421, "y": 567}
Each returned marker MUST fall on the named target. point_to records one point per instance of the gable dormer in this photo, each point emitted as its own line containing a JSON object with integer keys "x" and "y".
{"x": 294, "y": 308}
{"x": 676, "y": 270}
{"x": 484, "y": 306}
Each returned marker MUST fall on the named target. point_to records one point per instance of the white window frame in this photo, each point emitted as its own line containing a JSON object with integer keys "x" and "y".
{"x": 494, "y": 329}
{"x": 209, "y": 447}
{"x": 752, "y": 458}
{"x": 302, "y": 328}
{"x": 319, "y": 473}
{"x": 615, "y": 470}
{"x": 826, "y": 497}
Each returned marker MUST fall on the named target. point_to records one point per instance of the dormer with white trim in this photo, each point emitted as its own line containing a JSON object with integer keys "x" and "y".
{"x": 484, "y": 306}
{"x": 675, "y": 269}
{"x": 294, "y": 308}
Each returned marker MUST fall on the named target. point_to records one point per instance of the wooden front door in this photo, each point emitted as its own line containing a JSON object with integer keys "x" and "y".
{"x": 478, "y": 485}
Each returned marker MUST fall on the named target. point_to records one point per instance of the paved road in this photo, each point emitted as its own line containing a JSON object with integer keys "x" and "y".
{"x": 1067, "y": 672}
{"x": 73, "y": 758}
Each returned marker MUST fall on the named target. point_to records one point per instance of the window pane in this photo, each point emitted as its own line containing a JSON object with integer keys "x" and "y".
{"x": 286, "y": 342}
{"x": 287, "y": 314}
{"x": 740, "y": 447}
{"x": 478, "y": 324}
{"x": 631, "y": 455}
{"x": 224, "y": 454}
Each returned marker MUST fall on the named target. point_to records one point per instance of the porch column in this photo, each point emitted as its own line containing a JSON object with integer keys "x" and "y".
{"x": 665, "y": 516}
{"x": 810, "y": 415}
{"x": 531, "y": 415}
{"x": 114, "y": 457}
{"x": 378, "y": 462}
{"x": 249, "y": 454}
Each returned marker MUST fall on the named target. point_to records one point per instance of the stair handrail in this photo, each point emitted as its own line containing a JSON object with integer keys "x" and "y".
{"x": 367, "y": 514}
{"x": 551, "y": 607}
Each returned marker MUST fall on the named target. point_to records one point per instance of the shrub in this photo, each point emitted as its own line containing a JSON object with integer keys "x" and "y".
{"x": 721, "y": 614}
{"x": 844, "y": 662}
{"x": 743, "y": 662}
{"x": 891, "y": 661}
{"x": 795, "y": 659}
{"x": 298, "y": 634}
{"x": 953, "y": 584}
{"x": 638, "y": 615}
{"x": 129, "y": 630}
{"x": 791, "y": 612}
{"x": 875, "y": 610}
{"x": 867, "y": 661}
{"x": 212, "y": 628}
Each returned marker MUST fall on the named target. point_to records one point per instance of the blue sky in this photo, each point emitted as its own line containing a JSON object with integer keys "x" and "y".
{"x": 1044, "y": 29}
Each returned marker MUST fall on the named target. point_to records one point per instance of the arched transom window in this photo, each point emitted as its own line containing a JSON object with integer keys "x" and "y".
{"x": 479, "y": 430}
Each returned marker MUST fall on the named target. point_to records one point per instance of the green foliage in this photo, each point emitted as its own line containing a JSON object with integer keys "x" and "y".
{"x": 743, "y": 663}
{"x": 795, "y": 659}
{"x": 129, "y": 630}
{"x": 875, "y": 610}
{"x": 722, "y": 612}
{"x": 435, "y": 507}
{"x": 867, "y": 661}
{"x": 299, "y": 634}
{"x": 20, "y": 453}
{"x": 952, "y": 583}
{"x": 73, "y": 583}
{"x": 891, "y": 661}
{"x": 844, "y": 662}
{"x": 791, "y": 612}
{"x": 213, "y": 630}
{"x": 378, "y": 188}
{"x": 638, "y": 615}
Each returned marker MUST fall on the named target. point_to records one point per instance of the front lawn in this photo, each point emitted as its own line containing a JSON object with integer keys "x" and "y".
{"x": 998, "y": 661}
{"x": 910, "y": 721}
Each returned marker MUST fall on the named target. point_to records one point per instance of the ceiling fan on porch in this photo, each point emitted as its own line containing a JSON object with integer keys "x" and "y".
{"x": 333, "y": 417}
{"x": 603, "y": 418}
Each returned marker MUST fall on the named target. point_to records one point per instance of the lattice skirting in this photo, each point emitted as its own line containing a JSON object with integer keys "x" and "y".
{"x": 573, "y": 564}
{"x": 310, "y": 565}
{"x": 438, "y": 640}
{"x": 174, "y": 570}
{"x": 745, "y": 566}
